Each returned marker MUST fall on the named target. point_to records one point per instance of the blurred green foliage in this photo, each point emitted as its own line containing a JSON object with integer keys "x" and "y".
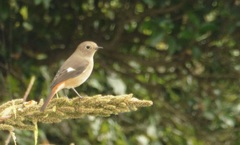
{"x": 182, "y": 54}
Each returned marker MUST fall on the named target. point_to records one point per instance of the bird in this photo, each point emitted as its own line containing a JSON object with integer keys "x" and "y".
{"x": 74, "y": 71}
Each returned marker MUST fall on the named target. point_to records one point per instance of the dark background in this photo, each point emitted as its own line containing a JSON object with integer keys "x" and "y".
{"x": 181, "y": 54}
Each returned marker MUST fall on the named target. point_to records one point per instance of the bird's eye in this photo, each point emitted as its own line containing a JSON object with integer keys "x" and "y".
{"x": 88, "y": 47}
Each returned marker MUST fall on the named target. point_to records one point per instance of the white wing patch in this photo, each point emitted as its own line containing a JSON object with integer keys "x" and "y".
{"x": 70, "y": 69}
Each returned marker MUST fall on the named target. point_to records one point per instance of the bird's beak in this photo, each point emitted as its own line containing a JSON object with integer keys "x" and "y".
{"x": 99, "y": 47}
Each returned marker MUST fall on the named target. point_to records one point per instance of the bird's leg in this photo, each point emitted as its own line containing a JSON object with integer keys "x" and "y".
{"x": 57, "y": 95}
{"x": 77, "y": 93}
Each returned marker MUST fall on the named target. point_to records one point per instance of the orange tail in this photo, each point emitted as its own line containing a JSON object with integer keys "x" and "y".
{"x": 53, "y": 92}
{"x": 48, "y": 100}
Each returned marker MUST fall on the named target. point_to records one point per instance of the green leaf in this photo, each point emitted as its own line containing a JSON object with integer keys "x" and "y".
{"x": 196, "y": 52}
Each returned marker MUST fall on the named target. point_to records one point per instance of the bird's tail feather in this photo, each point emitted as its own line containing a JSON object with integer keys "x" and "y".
{"x": 53, "y": 92}
{"x": 48, "y": 100}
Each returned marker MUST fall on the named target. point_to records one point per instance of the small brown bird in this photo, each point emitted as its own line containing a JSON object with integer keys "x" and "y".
{"x": 75, "y": 70}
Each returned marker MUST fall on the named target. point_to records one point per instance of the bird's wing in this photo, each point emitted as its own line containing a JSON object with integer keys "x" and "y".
{"x": 70, "y": 70}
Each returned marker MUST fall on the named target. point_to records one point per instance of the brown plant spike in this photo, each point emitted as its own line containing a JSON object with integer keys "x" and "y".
{"x": 16, "y": 114}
